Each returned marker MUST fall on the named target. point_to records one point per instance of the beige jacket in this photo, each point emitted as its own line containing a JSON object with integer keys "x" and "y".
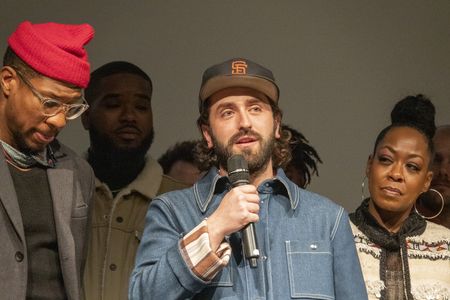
{"x": 116, "y": 228}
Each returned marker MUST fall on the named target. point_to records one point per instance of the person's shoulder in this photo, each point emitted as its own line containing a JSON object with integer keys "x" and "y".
{"x": 307, "y": 199}
{"x": 433, "y": 243}
{"x": 61, "y": 150}
{"x": 317, "y": 201}
{"x": 177, "y": 196}
{"x": 169, "y": 184}
{"x": 63, "y": 153}
{"x": 436, "y": 232}
{"x": 317, "y": 211}
{"x": 67, "y": 159}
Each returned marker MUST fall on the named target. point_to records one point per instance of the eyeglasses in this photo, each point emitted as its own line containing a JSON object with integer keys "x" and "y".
{"x": 52, "y": 107}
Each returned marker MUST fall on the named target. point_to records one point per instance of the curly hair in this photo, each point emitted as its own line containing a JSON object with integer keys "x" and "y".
{"x": 184, "y": 151}
{"x": 206, "y": 158}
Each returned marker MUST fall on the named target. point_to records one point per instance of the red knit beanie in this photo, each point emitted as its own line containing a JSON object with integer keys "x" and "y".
{"x": 54, "y": 50}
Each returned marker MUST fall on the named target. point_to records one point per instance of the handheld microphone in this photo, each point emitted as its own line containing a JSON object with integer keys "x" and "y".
{"x": 239, "y": 175}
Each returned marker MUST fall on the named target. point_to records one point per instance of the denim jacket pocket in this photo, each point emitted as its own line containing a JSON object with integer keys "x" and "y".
{"x": 310, "y": 267}
{"x": 223, "y": 278}
{"x": 220, "y": 287}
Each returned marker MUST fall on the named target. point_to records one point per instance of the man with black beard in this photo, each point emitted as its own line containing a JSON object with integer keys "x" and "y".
{"x": 192, "y": 243}
{"x": 120, "y": 124}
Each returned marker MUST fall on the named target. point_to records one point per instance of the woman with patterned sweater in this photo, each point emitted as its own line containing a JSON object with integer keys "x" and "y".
{"x": 402, "y": 255}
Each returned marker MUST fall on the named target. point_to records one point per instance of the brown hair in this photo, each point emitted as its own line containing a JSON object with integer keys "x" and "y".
{"x": 281, "y": 154}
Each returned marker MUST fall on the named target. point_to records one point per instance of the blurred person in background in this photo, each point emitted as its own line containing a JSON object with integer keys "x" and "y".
{"x": 180, "y": 162}
{"x": 435, "y": 204}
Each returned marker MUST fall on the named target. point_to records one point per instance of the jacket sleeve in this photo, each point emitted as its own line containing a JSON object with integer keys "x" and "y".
{"x": 348, "y": 279}
{"x": 160, "y": 271}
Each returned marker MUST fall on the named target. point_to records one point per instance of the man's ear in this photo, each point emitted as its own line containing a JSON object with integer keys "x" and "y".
{"x": 207, "y": 135}
{"x": 85, "y": 119}
{"x": 6, "y": 80}
{"x": 277, "y": 121}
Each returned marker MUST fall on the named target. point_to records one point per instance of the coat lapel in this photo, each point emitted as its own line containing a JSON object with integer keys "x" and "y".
{"x": 8, "y": 199}
{"x": 61, "y": 183}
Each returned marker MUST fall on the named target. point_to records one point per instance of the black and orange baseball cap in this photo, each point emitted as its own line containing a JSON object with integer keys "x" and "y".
{"x": 238, "y": 72}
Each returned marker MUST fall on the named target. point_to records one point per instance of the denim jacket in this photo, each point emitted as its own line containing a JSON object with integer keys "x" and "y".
{"x": 305, "y": 241}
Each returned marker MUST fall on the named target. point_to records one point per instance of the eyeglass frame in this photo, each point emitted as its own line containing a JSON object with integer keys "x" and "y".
{"x": 62, "y": 107}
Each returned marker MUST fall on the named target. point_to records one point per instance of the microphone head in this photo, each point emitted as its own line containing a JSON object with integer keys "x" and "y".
{"x": 238, "y": 170}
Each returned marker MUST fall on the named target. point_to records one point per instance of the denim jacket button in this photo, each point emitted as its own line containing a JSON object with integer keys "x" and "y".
{"x": 313, "y": 247}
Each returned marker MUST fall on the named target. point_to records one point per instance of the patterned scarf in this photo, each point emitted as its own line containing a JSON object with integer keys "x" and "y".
{"x": 44, "y": 158}
{"x": 413, "y": 225}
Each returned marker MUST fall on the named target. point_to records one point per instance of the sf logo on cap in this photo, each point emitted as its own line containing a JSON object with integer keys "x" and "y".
{"x": 239, "y": 67}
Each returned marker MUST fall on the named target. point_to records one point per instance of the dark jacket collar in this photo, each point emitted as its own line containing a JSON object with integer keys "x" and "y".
{"x": 212, "y": 183}
{"x": 413, "y": 225}
{"x": 56, "y": 151}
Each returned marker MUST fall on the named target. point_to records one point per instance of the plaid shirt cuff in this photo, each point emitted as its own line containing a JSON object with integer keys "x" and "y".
{"x": 198, "y": 255}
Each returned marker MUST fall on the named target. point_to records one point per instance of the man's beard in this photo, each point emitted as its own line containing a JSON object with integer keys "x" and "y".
{"x": 103, "y": 146}
{"x": 256, "y": 161}
{"x": 22, "y": 146}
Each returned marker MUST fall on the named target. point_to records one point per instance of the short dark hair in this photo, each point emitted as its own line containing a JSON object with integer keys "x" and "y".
{"x": 115, "y": 67}
{"x": 184, "y": 151}
{"x": 11, "y": 59}
{"x": 304, "y": 157}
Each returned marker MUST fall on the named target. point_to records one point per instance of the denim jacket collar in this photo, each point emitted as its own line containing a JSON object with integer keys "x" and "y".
{"x": 212, "y": 183}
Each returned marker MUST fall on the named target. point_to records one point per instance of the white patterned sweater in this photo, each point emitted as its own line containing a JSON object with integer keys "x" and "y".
{"x": 428, "y": 262}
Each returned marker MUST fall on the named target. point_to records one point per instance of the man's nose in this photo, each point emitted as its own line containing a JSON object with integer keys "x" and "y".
{"x": 57, "y": 121}
{"x": 128, "y": 113}
{"x": 244, "y": 120}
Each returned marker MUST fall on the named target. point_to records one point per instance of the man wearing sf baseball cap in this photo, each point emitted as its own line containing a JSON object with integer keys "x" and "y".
{"x": 238, "y": 72}
{"x": 194, "y": 245}
{"x": 46, "y": 188}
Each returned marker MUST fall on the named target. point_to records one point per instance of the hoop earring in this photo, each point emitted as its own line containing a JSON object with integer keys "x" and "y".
{"x": 439, "y": 212}
{"x": 363, "y": 185}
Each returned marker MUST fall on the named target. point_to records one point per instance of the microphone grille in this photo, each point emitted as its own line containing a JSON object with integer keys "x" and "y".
{"x": 238, "y": 169}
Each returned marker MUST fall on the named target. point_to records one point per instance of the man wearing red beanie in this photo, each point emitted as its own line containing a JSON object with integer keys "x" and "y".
{"x": 45, "y": 188}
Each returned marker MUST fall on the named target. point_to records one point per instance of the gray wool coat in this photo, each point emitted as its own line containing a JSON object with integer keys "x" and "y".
{"x": 72, "y": 188}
